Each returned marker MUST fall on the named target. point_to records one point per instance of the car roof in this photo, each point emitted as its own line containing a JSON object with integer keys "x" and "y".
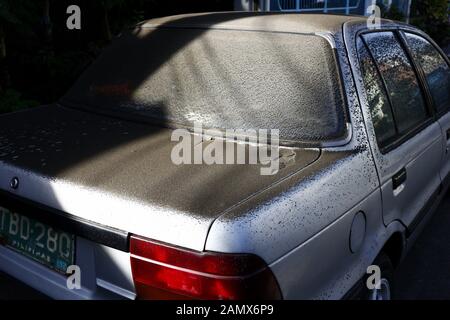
{"x": 257, "y": 21}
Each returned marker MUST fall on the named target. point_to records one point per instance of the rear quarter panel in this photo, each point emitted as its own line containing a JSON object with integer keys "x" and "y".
{"x": 301, "y": 226}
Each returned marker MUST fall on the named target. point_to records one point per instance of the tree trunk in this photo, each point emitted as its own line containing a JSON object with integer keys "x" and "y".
{"x": 408, "y": 11}
{"x": 46, "y": 22}
{"x": 2, "y": 44}
{"x": 105, "y": 28}
{"x": 4, "y": 73}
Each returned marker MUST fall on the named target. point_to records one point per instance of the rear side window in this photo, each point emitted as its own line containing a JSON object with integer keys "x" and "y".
{"x": 380, "y": 109}
{"x": 401, "y": 81}
{"x": 436, "y": 69}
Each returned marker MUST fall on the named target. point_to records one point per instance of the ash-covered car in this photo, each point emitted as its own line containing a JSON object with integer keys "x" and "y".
{"x": 358, "y": 125}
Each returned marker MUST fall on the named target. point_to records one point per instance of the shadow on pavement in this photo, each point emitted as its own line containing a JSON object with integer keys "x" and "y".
{"x": 425, "y": 272}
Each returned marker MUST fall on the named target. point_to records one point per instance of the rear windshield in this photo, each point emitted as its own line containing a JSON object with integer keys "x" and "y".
{"x": 223, "y": 79}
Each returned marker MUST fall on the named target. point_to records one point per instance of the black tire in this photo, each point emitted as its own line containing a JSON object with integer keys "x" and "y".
{"x": 387, "y": 276}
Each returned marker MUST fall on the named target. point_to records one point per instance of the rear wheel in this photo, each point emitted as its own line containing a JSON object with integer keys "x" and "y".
{"x": 385, "y": 290}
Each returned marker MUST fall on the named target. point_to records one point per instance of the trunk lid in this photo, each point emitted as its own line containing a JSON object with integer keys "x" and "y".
{"x": 119, "y": 174}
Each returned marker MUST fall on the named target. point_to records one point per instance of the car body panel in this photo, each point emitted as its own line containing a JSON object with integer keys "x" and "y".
{"x": 120, "y": 174}
{"x": 293, "y": 211}
{"x": 322, "y": 197}
{"x": 324, "y": 267}
{"x": 418, "y": 155}
{"x": 423, "y": 179}
{"x": 444, "y": 123}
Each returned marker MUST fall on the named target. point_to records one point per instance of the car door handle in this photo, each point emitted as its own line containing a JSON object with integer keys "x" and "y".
{"x": 398, "y": 178}
{"x": 448, "y": 134}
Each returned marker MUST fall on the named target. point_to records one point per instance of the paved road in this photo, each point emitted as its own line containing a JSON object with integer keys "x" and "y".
{"x": 424, "y": 274}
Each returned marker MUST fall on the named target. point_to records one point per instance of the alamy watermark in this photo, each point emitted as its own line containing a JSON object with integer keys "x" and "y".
{"x": 374, "y": 279}
{"x": 74, "y": 20}
{"x": 374, "y": 19}
{"x": 74, "y": 277}
{"x": 234, "y": 146}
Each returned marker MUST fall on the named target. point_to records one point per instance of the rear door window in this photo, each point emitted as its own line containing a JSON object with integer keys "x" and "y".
{"x": 436, "y": 69}
{"x": 401, "y": 81}
{"x": 380, "y": 109}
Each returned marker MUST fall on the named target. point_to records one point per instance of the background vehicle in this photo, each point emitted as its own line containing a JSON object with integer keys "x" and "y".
{"x": 366, "y": 135}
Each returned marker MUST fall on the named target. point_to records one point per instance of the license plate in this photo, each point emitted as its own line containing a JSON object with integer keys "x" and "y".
{"x": 34, "y": 239}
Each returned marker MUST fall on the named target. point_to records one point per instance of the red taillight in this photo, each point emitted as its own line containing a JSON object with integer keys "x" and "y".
{"x": 164, "y": 272}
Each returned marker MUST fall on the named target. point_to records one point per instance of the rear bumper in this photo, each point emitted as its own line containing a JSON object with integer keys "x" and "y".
{"x": 96, "y": 283}
{"x": 101, "y": 253}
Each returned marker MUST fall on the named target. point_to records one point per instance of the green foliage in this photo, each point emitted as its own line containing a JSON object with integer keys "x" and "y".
{"x": 6, "y": 14}
{"x": 11, "y": 100}
{"x": 432, "y": 17}
{"x": 125, "y": 15}
{"x": 393, "y": 13}
{"x": 109, "y": 4}
{"x": 20, "y": 15}
{"x": 41, "y": 69}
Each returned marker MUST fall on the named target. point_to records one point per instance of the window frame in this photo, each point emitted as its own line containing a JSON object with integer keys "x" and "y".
{"x": 382, "y": 87}
{"x": 399, "y": 139}
{"x": 420, "y": 68}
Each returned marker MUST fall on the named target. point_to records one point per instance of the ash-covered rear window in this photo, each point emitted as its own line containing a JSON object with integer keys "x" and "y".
{"x": 221, "y": 79}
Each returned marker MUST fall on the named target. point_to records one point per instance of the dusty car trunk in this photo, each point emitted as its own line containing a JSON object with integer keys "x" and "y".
{"x": 119, "y": 174}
